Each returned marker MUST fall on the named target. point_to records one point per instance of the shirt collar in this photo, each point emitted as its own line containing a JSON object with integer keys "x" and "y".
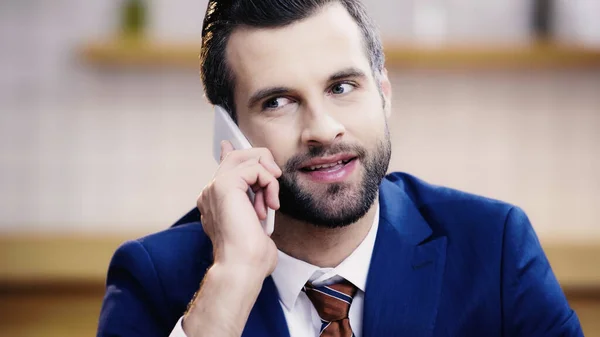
{"x": 291, "y": 274}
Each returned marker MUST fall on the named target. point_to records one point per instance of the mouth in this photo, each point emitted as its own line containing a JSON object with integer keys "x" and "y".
{"x": 328, "y": 163}
{"x": 328, "y": 166}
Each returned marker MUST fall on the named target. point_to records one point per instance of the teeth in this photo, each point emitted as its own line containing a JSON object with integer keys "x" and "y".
{"x": 316, "y": 167}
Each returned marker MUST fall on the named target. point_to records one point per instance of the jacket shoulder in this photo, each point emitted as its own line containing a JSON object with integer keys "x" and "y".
{"x": 448, "y": 210}
{"x": 151, "y": 280}
{"x": 182, "y": 250}
{"x": 180, "y": 257}
{"x": 427, "y": 195}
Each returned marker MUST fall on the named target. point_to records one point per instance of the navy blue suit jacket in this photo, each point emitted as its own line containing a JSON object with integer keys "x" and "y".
{"x": 445, "y": 263}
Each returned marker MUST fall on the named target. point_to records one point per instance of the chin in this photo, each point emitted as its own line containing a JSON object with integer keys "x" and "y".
{"x": 333, "y": 201}
{"x": 333, "y": 205}
{"x": 335, "y": 194}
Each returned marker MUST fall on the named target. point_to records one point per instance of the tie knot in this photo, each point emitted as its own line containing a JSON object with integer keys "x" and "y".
{"x": 332, "y": 302}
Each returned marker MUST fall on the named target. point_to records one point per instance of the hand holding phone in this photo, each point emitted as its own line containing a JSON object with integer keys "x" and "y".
{"x": 242, "y": 255}
{"x": 226, "y": 129}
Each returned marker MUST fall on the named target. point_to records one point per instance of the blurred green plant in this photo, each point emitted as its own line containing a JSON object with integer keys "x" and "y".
{"x": 134, "y": 18}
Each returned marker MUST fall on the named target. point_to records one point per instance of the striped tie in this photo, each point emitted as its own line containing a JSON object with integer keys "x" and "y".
{"x": 333, "y": 304}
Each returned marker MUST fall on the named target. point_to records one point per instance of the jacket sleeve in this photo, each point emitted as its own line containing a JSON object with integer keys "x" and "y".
{"x": 533, "y": 303}
{"x": 134, "y": 300}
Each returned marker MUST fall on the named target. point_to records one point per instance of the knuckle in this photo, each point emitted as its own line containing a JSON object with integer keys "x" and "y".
{"x": 199, "y": 201}
{"x": 202, "y": 199}
{"x": 231, "y": 155}
{"x": 255, "y": 166}
{"x": 255, "y": 160}
{"x": 266, "y": 152}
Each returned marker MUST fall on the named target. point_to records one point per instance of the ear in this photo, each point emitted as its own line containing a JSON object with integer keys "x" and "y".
{"x": 386, "y": 90}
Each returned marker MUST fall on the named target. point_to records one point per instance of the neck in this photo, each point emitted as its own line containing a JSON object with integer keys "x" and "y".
{"x": 322, "y": 247}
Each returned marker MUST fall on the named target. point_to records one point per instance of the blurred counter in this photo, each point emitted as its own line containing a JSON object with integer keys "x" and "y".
{"x": 53, "y": 286}
{"x": 53, "y": 259}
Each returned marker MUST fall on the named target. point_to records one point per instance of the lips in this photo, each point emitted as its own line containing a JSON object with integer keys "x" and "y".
{"x": 325, "y": 163}
{"x": 326, "y": 166}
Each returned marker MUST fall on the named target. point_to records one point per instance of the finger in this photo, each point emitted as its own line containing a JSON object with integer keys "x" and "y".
{"x": 270, "y": 164}
{"x": 268, "y": 204}
{"x": 260, "y": 155}
{"x": 259, "y": 204}
{"x": 272, "y": 195}
{"x": 257, "y": 161}
{"x": 265, "y": 202}
{"x": 255, "y": 175}
{"x": 226, "y": 148}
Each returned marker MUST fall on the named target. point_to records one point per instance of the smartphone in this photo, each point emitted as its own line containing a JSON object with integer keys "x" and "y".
{"x": 226, "y": 129}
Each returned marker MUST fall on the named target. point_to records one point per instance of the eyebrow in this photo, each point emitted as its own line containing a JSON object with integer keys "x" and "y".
{"x": 347, "y": 73}
{"x": 278, "y": 91}
{"x": 264, "y": 93}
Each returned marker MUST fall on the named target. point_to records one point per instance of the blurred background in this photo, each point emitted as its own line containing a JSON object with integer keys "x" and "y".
{"x": 105, "y": 135}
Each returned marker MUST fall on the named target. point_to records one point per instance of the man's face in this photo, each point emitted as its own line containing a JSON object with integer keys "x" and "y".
{"x": 307, "y": 93}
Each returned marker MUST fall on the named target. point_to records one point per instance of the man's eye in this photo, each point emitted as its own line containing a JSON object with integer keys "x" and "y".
{"x": 275, "y": 103}
{"x": 342, "y": 88}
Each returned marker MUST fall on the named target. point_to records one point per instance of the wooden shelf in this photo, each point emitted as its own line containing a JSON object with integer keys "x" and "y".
{"x": 34, "y": 261}
{"x": 540, "y": 56}
{"x": 144, "y": 53}
{"x": 132, "y": 53}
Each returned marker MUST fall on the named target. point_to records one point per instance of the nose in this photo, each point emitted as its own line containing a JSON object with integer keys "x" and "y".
{"x": 320, "y": 128}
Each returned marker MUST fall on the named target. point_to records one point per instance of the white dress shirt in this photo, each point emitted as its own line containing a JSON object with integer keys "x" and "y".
{"x": 291, "y": 274}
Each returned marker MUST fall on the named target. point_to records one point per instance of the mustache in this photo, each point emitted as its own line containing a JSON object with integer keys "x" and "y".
{"x": 295, "y": 163}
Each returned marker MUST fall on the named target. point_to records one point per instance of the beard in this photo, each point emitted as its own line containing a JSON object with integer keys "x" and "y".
{"x": 340, "y": 204}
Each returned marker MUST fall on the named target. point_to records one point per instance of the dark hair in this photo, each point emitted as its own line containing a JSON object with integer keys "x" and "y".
{"x": 222, "y": 17}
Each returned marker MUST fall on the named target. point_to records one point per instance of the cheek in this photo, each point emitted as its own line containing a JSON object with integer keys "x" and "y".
{"x": 366, "y": 121}
{"x": 280, "y": 139}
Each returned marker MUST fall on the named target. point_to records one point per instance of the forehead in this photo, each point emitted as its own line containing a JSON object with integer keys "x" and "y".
{"x": 310, "y": 49}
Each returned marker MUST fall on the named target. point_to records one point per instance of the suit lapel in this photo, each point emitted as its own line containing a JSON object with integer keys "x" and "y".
{"x": 266, "y": 318}
{"x": 405, "y": 276}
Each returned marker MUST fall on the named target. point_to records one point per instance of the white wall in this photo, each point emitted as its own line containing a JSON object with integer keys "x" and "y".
{"x": 90, "y": 150}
